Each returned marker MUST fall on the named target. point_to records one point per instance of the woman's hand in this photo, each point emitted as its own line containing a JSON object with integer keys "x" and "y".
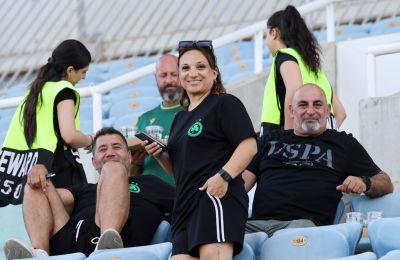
{"x": 215, "y": 186}
{"x": 152, "y": 149}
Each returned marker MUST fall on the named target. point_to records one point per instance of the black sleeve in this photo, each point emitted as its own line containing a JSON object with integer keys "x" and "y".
{"x": 235, "y": 121}
{"x": 160, "y": 193}
{"x": 282, "y": 57}
{"x": 65, "y": 94}
{"x": 254, "y": 165}
{"x": 359, "y": 162}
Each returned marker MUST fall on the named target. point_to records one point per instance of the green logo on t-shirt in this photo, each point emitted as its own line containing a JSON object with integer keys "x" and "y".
{"x": 134, "y": 187}
{"x": 195, "y": 129}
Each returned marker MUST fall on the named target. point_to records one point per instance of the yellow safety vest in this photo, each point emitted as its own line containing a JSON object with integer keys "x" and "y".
{"x": 45, "y": 134}
{"x": 16, "y": 158}
{"x": 271, "y": 110}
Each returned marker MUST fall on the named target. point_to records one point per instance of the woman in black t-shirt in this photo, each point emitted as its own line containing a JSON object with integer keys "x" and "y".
{"x": 211, "y": 142}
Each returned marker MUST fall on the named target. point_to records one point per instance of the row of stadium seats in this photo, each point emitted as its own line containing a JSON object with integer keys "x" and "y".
{"x": 325, "y": 242}
{"x": 355, "y": 31}
{"x": 340, "y": 241}
{"x": 235, "y": 61}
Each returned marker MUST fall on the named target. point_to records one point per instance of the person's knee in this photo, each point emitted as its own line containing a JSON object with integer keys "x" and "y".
{"x": 113, "y": 169}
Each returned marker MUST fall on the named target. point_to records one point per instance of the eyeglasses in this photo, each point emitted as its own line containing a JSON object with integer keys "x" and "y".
{"x": 185, "y": 45}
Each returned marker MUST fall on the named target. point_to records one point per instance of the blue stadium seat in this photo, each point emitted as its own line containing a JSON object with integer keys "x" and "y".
{"x": 384, "y": 26}
{"x": 363, "y": 256}
{"x": 12, "y": 224}
{"x": 388, "y": 204}
{"x": 128, "y": 120}
{"x": 86, "y": 108}
{"x": 246, "y": 254}
{"x": 128, "y": 106}
{"x": 156, "y": 252}
{"x": 255, "y": 241}
{"x": 345, "y": 32}
{"x": 339, "y": 212}
{"x": 86, "y": 126}
{"x": 306, "y": 243}
{"x": 384, "y": 235}
{"x": 234, "y": 52}
{"x": 243, "y": 67}
{"x": 73, "y": 256}
{"x": 119, "y": 67}
{"x": 392, "y": 255}
{"x": 161, "y": 234}
{"x": 133, "y": 92}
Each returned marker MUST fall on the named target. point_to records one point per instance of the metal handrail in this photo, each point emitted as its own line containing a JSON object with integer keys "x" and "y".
{"x": 255, "y": 30}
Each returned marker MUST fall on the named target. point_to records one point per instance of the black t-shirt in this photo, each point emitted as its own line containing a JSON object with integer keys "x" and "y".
{"x": 201, "y": 142}
{"x": 150, "y": 200}
{"x": 68, "y": 171}
{"x": 297, "y": 176}
{"x": 279, "y": 83}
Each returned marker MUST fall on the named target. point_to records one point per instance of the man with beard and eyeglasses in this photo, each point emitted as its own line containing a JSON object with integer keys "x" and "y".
{"x": 170, "y": 90}
{"x": 302, "y": 173}
{"x": 120, "y": 210}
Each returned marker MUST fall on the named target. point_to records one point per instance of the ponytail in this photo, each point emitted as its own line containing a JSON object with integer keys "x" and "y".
{"x": 295, "y": 34}
{"x": 68, "y": 53}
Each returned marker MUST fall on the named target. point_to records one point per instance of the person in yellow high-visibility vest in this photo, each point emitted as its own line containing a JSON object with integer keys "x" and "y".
{"x": 296, "y": 62}
{"x": 45, "y": 127}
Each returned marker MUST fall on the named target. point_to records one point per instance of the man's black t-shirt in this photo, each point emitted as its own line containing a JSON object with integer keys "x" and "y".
{"x": 297, "y": 176}
{"x": 201, "y": 142}
{"x": 150, "y": 200}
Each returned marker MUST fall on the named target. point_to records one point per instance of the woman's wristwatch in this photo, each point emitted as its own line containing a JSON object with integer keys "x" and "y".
{"x": 226, "y": 176}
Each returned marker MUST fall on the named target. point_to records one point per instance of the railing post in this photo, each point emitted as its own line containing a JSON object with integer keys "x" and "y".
{"x": 97, "y": 112}
{"x": 371, "y": 74}
{"x": 330, "y": 22}
{"x": 258, "y": 52}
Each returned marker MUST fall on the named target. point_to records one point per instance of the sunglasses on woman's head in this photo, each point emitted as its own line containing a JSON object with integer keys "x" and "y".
{"x": 185, "y": 45}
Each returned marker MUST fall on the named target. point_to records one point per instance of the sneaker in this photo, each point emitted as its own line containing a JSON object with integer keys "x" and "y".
{"x": 109, "y": 239}
{"x": 15, "y": 249}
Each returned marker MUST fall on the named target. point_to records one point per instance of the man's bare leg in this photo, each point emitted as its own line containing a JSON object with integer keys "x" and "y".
{"x": 113, "y": 200}
{"x": 37, "y": 217}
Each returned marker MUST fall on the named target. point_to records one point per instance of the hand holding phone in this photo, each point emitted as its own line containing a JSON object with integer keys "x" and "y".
{"x": 144, "y": 136}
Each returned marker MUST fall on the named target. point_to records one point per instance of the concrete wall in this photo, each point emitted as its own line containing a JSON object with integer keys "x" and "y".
{"x": 379, "y": 133}
{"x": 351, "y": 75}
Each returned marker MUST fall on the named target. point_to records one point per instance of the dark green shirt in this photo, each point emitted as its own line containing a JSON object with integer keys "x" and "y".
{"x": 162, "y": 116}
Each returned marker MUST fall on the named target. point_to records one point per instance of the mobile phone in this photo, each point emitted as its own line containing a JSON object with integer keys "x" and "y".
{"x": 144, "y": 136}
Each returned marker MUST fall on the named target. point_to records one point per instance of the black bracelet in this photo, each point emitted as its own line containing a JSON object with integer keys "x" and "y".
{"x": 226, "y": 176}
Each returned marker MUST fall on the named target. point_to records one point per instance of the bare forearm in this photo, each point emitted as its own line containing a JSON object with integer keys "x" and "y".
{"x": 241, "y": 157}
{"x": 77, "y": 139}
{"x": 380, "y": 185}
{"x": 163, "y": 160}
